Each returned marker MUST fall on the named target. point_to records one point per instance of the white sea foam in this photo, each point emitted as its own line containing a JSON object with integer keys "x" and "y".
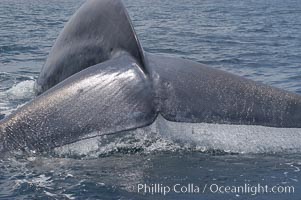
{"x": 22, "y": 90}
{"x": 15, "y": 97}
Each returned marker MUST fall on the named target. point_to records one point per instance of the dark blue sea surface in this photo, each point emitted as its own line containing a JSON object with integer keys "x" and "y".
{"x": 256, "y": 39}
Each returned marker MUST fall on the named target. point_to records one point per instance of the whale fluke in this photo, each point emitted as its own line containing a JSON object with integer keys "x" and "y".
{"x": 100, "y": 30}
{"x": 192, "y": 92}
{"x": 108, "y": 97}
{"x": 97, "y": 79}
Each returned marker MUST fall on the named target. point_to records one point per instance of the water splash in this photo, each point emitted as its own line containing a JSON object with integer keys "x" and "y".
{"x": 16, "y": 96}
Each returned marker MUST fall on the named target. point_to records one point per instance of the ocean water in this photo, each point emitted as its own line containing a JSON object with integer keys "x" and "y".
{"x": 256, "y": 39}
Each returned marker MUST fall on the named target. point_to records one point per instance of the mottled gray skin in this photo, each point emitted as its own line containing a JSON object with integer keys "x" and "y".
{"x": 109, "y": 97}
{"x": 98, "y": 79}
{"x": 191, "y": 92}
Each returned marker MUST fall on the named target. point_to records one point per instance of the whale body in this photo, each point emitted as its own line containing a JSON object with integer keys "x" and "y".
{"x": 98, "y": 78}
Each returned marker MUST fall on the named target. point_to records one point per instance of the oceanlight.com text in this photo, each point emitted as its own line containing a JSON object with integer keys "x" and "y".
{"x": 192, "y": 188}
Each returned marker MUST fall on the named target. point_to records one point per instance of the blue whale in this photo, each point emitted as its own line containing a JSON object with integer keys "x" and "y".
{"x": 98, "y": 78}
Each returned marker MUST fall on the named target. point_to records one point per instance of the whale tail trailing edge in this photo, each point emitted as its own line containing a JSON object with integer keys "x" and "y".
{"x": 98, "y": 31}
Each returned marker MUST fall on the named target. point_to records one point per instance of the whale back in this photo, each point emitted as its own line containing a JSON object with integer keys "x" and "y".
{"x": 98, "y": 31}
